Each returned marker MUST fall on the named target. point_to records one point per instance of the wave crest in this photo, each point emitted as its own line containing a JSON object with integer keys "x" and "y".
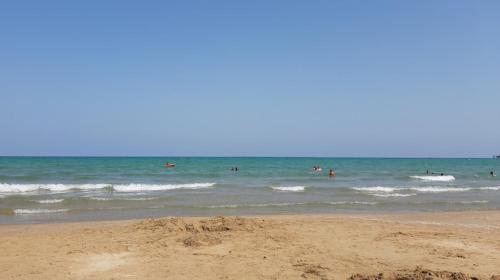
{"x": 50, "y": 201}
{"x": 149, "y": 187}
{"x": 444, "y": 178}
{"x": 38, "y": 211}
{"x": 24, "y": 188}
{"x": 20, "y": 188}
{"x": 392, "y": 191}
{"x": 289, "y": 188}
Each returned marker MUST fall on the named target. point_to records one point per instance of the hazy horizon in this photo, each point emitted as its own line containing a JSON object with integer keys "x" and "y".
{"x": 239, "y": 156}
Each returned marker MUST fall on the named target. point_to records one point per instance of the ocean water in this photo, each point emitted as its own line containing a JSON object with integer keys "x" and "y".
{"x": 54, "y": 189}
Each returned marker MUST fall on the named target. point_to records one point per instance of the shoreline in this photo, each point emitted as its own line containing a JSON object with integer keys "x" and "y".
{"x": 319, "y": 246}
{"x": 346, "y": 214}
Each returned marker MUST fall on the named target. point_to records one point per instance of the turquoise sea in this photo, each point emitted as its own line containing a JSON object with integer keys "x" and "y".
{"x": 54, "y": 189}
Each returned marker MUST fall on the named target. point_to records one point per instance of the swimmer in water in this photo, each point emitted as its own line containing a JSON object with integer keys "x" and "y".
{"x": 492, "y": 174}
{"x": 331, "y": 173}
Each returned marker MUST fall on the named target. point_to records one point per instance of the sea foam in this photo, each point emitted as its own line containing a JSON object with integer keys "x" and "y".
{"x": 444, "y": 178}
{"x": 24, "y": 188}
{"x": 385, "y": 191}
{"x": 50, "y": 201}
{"x": 151, "y": 187}
{"x": 394, "y": 194}
{"x": 38, "y": 211}
{"x": 289, "y": 188}
{"x": 474, "y": 202}
{"x": 19, "y": 188}
{"x": 375, "y": 189}
{"x": 440, "y": 189}
{"x": 288, "y": 204}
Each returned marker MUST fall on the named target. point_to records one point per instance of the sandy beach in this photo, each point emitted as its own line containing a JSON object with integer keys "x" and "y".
{"x": 410, "y": 246}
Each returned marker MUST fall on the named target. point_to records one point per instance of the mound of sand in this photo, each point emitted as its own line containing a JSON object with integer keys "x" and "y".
{"x": 203, "y": 232}
{"x": 420, "y": 274}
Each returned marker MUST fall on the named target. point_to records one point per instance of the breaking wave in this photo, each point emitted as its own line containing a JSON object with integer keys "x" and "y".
{"x": 290, "y": 188}
{"x": 50, "y": 201}
{"x": 122, "y": 198}
{"x": 148, "y": 187}
{"x": 38, "y": 211}
{"x": 389, "y": 191}
{"x": 286, "y": 204}
{"x": 23, "y": 188}
{"x": 444, "y": 178}
{"x": 394, "y": 194}
{"x": 474, "y": 202}
{"x": 20, "y": 188}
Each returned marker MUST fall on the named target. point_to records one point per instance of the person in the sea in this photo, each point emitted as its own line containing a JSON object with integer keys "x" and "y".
{"x": 331, "y": 173}
{"x": 492, "y": 174}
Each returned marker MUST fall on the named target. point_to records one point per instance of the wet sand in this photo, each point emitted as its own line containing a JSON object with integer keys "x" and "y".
{"x": 457, "y": 245}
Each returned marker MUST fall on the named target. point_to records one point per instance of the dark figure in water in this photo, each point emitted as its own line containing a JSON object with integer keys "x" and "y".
{"x": 427, "y": 171}
{"x": 492, "y": 174}
{"x": 236, "y": 168}
{"x": 442, "y": 174}
{"x": 331, "y": 173}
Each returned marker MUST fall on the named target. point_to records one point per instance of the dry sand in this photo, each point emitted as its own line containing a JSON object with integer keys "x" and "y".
{"x": 403, "y": 246}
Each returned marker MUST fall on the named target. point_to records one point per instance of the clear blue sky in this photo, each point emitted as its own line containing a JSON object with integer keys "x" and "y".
{"x": 276, "y": 78}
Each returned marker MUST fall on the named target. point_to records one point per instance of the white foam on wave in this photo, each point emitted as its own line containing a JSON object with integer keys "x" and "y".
{"x": 497, "y": 188}
{"x": 474, "y": 202}
{"x": 289, "y": 188}
{"x": 26, "y": 188}
{"x": 20, "y": 188}
{"x": 394, "y": 194}
{"x": 440, "y": 189}
{"x": 376, "y": 189}
{"x": 50, "y": 201}
{"x": 38, "y": 211}
{"x": 389, "y": 191}
{"x": 444, "y": 178}
{"x": 352, "y": 202}
{"x": 121, "y": 198}
{"x": 152, "y": 187}
{"x": 285, "y": 204}
{"x": 100, "y": 198}
{"x": 139, "y": 198}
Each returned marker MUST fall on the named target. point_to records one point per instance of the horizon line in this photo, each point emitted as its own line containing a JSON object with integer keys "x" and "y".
{"x": 241, "y": 156}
